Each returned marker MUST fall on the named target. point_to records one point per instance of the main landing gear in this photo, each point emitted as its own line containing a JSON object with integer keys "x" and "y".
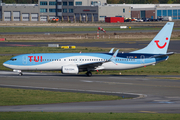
{"x": 20, "y": 74}
{"x": 89, "y": 73}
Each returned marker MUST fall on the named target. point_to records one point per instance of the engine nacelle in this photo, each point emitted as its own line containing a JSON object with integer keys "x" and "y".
{"x": 70, "y": 70}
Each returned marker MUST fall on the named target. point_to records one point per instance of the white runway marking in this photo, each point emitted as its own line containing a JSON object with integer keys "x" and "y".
{"x": 95, "y": 91}
{"x": 86, "y": 81}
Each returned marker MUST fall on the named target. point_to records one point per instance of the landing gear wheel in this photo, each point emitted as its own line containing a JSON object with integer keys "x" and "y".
{"x": 89, "y": 74}
{"x": 20, "y": 74}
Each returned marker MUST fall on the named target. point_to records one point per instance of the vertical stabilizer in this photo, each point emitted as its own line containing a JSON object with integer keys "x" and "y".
{"x": 160, "y": 43}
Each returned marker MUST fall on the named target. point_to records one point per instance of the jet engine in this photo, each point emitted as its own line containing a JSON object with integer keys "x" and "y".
{"x": 70, "y": 70}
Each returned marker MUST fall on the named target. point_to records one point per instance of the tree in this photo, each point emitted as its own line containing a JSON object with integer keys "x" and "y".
{"x": 169, "y": 2}
{"x": 155, "y": 1}
{"x": 113, "y": 1}
{"x": 163, "y": 1}
{"x": 9, "y": 1}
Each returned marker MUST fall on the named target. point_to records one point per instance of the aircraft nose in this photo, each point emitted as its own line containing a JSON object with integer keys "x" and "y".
{"x": 5, "y": 64}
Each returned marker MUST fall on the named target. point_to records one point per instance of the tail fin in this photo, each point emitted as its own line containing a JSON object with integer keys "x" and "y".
{"x": 160, "y": 43}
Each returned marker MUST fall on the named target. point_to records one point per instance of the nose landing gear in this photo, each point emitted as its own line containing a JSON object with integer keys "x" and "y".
{"x": 19, "y": 72}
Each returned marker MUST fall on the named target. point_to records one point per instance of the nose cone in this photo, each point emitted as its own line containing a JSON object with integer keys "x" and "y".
{"x": 5, "y": 64}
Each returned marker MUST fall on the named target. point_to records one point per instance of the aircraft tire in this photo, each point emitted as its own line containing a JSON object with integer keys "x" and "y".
{"x": 89, "y": 74}
{"x": 20, "y": 74}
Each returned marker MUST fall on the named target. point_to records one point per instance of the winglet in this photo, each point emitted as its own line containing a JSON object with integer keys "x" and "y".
{"x": 111, "y": 51}
{"x": 113, "y": 57}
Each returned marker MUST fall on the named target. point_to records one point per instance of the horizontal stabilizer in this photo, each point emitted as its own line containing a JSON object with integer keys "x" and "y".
{"x": 160, "y": 56}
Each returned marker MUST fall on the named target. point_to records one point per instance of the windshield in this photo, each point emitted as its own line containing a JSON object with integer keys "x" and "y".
{"x": 13, "y": 59}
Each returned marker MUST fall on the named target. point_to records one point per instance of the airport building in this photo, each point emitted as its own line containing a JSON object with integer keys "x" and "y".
{"x": 155, "y": 10}
{"x": 84, "y": 10}
{"x": 66, "y": 10}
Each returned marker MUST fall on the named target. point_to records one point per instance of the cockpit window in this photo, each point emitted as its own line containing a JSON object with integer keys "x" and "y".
{"x": 13, "y": 59}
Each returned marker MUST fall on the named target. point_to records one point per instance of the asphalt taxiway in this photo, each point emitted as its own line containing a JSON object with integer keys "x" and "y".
{"x": 173, "y": 46}
{"x": 151, "y": 94}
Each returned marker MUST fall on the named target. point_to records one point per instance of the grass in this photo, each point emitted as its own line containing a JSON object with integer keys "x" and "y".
{"x": 169, "y": 67}
{"x": 11, "y": 96}
{"x": 68, "y": 29}
{"x": 65, "y": 29}
{"x": 85, "y": 116}
{"x": 111, "y": 40}
{"x": 24, "y": 50}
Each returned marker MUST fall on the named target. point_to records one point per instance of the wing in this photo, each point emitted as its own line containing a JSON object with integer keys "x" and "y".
{"x": 90, "y": 66}
{"x": 94, "y": 65}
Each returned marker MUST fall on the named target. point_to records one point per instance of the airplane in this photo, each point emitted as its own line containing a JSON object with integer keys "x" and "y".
{"x": 73, "y": 63}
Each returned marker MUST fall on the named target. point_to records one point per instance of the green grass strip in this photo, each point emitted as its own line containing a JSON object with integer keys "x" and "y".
{"x": 26, "y": 50}
{"x": 85, "y": 116}
{"x": 65, "y": 29}
{"x": 11, "y": 96}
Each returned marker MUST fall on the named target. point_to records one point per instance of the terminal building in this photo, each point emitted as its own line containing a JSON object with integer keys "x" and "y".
{"x": 155, "y": 10}
{"x": 84, "y": 10}
{"x": 66, "y": 10}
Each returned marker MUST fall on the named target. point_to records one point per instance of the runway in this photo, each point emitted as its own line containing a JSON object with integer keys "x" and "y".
{"x": 173, "y": 46}
{"x": 152, "y": 95}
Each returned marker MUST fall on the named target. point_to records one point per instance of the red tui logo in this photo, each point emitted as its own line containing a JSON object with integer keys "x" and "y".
{"x": 157, "y": 43}
{"x": 35, "y": 59}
